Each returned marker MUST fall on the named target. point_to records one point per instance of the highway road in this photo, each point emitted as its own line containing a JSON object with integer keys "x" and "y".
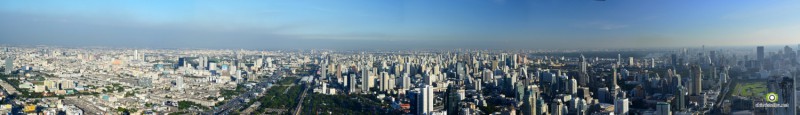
{"x": 238, "y": 102}
{"x": 8, "y": 88}
{"x": 300, "y": 102}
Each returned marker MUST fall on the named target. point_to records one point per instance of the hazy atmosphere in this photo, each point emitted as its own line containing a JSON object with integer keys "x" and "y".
{"x": 413, "y": 23}
{"x": 400, "y": 57}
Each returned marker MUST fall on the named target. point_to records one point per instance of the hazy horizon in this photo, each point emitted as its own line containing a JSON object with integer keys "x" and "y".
{"x": 353, "y": 24}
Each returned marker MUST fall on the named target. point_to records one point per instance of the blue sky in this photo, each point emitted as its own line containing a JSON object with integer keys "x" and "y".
{"x": 410, "y": 23}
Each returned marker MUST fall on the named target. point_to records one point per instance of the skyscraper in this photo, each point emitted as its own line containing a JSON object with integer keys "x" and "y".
{"x": 453, "y": 97}
{"x": 621, "y": 106}
{"x": 697, "y": 80}
{"x": 405, "y": 82}
{"x": 652, "y": 62}
{"x": 541, "y": 109}
{"x": 179, "y": 83}
{"x": 428, "y": 79}
{"x": 181, "y": 62}
{"x": 630, "y": 61}
{"x": 384, "y": 81}
{"x": 351, "y": 83}
{"x": 9, "y": 64}
{"x": 572, "y": 87}
{"x": 583, "y": 64}
{"x": 614, "y": 75}
{"x": 584, "y": 75}
{"x": 425, "y": 100}
{"x": 619, "y": 59}
{"x": 760, "y": 53}
{"x": 203, "y": 63}
{"x": 680, "y": 97}
{"x": 555, "y": 107}
{"x": 366, "y": 80}
{"x": 323, "y": 74}
{"x": 488, "y": 75}
{"x": 529, "y": 104}
{"x": 662, "y": 108}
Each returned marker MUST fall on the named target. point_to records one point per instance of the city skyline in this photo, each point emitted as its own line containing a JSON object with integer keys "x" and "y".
{"x": 407, "y": 57}
{"x": 399, "y": 24}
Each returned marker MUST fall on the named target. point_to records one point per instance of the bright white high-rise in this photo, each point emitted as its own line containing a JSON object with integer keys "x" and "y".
{"x": 621, "y": 106}
{"x": 425, "y": 100}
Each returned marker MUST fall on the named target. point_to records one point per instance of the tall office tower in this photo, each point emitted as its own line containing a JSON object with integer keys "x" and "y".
{"x": 259, "y": 62}
{"x": 488, "y": 75}
{"x": 621, "y": 106}
{"x": 436, "y": 69}
{"x": 510, "y": 81}
{"x": 338, "y": 69}
{"x": 662, "y": 108}
{"x": 583, "y": 64}
{"x": 572, "y": 105}
{"x": 9, "y": 65}
{"x": 680, "y": 97}
{"x": 603, "y": 95}
{"x": 392, "y": 82}
{"x": 460, "y": 71}
{"x": 519, "y": 92}
{"x": 351, "y": 83}
{"x": 584, "y": 93}
{"x": 179, "y": 83}
{"x": 427, "y": 79}
{"x": 614, "y": 76}
{"x": 760, "y": 53}
{"x": 397, "y": 67}
{"x": 181, "y": 62}
{"x": 407, "y": 69}
{"x": 674, "y": 59}
{"x": 556, "y": 107}
{"x": 584, "y": 75}
{"x": 573, "y": 87}
{"x": 269, "y": 62}
{"x": 374, "y": 72}
{"x": 583, "y": 107}
{"x": 405, "y": 82}
{"x": 619, "y": 59}
{"x": 529, "y": 104}
{"x": 495, "y": 64}
{"x": 366, "y": 80}
{"x": 384, "y": 81}
{"x": 323, "y": 74}
{"x": 631, "y": 62}
{"x": 453, "y": 97}
{"x": 477, "y": 85}
{"x": 652, "y": 62}
{"x": 425, "y": 100}
{"x": 541, "y": 108}
{"x": 697, "y": 80}
{"x": 135, "y": 54}
{"x": 790, "y": 54}
{"x": 201, "y": 63}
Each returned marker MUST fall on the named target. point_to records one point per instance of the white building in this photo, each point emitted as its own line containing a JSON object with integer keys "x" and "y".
{"x": 621, "y": 106}
{"x": 425, "y": 100}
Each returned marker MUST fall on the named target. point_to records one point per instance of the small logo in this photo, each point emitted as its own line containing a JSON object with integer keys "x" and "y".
{"x": 771, "y": 97}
